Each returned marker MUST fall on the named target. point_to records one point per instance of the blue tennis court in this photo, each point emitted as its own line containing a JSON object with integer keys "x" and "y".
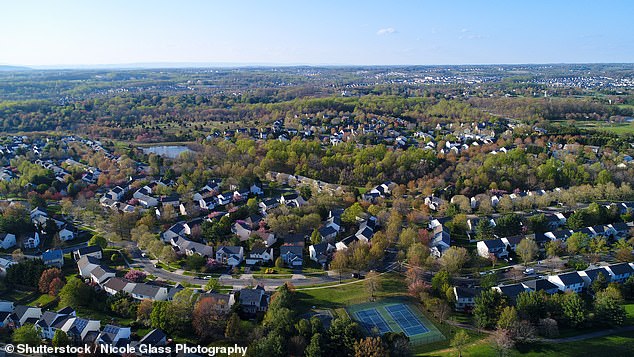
{"x": 371, "y": 319}
{"x": 406, "y": 319}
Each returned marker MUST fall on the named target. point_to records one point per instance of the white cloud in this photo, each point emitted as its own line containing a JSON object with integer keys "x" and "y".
{"x": 386, "y": 31}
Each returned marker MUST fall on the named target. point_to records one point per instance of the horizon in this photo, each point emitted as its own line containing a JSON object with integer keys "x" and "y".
{"x": 73, "y": 33}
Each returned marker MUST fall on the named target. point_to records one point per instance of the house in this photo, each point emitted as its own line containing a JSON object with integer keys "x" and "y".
{"x": 320, "y": 253}
{"x": 115, "y": 194}
{"x": 52, "y": 321}
{"x": 208, "y": 203}
{"x": 590, "y": 275}
{"x": 256, "y": 190}
{"x": 621, "y": 271}
{"x": 511, "y": 291}
{"x": 295, "y": 239}
{"x": 440, "y": 242}
{"x": 4, "y": 265}
{"x": 292, "y": 199}
{"x": 292, "y": 255}
{"x": 25, "y": 315}
{"x": 86, "y": 265}
{"x": 31, "y": 241}
{"x": 568, "y": 281}
{"x": 115, "y": 285}
{"x": 53, "y": 258}
{"x": 465, "y": 298}
{"x": 559, "y": 235}
{"x": 230, "y": 255}
{"x": 260, "y": 255}
{"x": 512, "y": 242}
{"x": 7, "y": 240}
{"x": 5, "y": 319}
{"x": 541, "y": 284}
{"x": 224, "y": 198}
{"x": 621, "y": 229}
{"x": 495, "y": 247}
{"x": 149, "y": 291}
{"x": 100, "y": 274}
{"x": 94, "y": 251}
{"x": 254, "y": 300}
{"x": 433, "y": 202}
{"x": 327, "y": 233}
{"x": 114, "y": 335}
{"x": 78, "y": 329}
{"x": 268, "y": 204}
{"x": 188, "y": 247}
{"x": 147, "y": 201}
{"x": 225, "y": 301}
{"x": 154, "y": 338}
{"x": 66, "y": 235}
{"x": 364, "y": 234}
{"x": 242, "y": 230}
{"x": 346, "y": 242}
{"x": 176, "y": 230}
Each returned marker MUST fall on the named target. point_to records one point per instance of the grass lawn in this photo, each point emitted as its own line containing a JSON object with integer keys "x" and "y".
{"x": 629, "y": 310}
{"x": 43, "y": 299}
{"x": 620, "y": 128}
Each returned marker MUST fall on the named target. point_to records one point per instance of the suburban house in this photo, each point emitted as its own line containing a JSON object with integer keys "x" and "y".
{"x": 512, "y": 242}
{"x": 230, "y": 255}
{"x": 320, "y": 253}
{"x": 620, "y": 229}
{"x": 621, "y": 271}
{"x": 292, "y": 255}
{"x": 259, "y": 256}
{"x": 590, "y": 275}
{"x": 53, "y": 258}
{"x": 86, "y": 265}
{"x": 346, "y": 242}
{"x": 52, "y": 321}
{"x": 568, "y": 281}
{"x": 465, "y": 298}
{"x": 495, "y": 247}
{"x": 242, "y": 229}
{"x": 7, "y": 240}
{"x": 225, "y": 301}
{"x": 207, "y": 203}
{"x": 31, "y": 241}
{"x": 148, "y": 291}
{"x": 66, "y": 235}
{"x": 511, "y": 291}
{"x": 4, "y": 265}
{"x": 559, "y": 235}
{"x": 90, "y": 251}
{"x": 256, "y": 190}
{"x": 153, "y": 338}
{"x": 441, "y": 240}
{"x": 254, "y": 300}
{"x": 327, "y": 233}
{"x": 115, "y": 285}
{"x": 26, "y": 315}
{"x": 78, "y": 329}
{"x": 100, "y": 274}
{"x": 188, "y": 247}
{"x": 542, "y": 284}
{"x": 114, "y": 336}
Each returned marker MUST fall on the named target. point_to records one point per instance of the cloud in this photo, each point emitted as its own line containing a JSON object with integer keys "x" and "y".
{"x": 386, "y": 31}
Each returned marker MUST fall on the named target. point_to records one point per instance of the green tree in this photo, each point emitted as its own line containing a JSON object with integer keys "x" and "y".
{"x": 577, "y": 243}
{"x": 75, "y": 294}
{"x": 27, "y": 335}
{"x": 232, "y": 331}
{"x": 484, "y": 230}
{"x": 532, "y": 305}
{"x": 314, "y": 348}
{"x": 508, "y": 225}
{"x": 99, "y": 241}
{"x": 351, "y": 213}
{"x": 315, "y": 237}
{"x": 508, "y": 319}
{"x": 60, "y": 338}
{"x": 342, "y": 335}
{"x": 453, "y": 259}
{"x": 440, "y": 282}
{"x": 340, "y": 263}
{"x": 538, "y": 223}
{"x": 573, "y": 309}
{"x": 279, "y": 262}
{"x": 554, "y": 248}
{"x": 608, "y": 307}
{"x": 600, "y": 283}
{"x": 527, "y": 249}
{"x": 604, "y": 177}
{"x": 273, "y": 344}
{"x": 488, "y": 306}
{"x": 460, "y": 341}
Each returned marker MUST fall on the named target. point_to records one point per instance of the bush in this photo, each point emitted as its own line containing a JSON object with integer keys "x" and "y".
{"x": 577, "y": 264}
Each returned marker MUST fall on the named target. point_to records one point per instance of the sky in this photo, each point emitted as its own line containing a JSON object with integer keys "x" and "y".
{"x": 67, "y": 33}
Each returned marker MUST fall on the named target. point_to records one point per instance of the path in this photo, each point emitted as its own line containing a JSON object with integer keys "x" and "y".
{"x": 587, "y": 336}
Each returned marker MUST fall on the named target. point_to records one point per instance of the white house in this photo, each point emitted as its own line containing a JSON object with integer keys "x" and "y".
{"x": 66, "y": 235}
{"x": 260, "y": 256}
{"x": 320, "y": 252}
{"x": 31, "y": 241}
{"x": 7, "y": 240}
{"x": 568, "y": 281}
{"x": 111, "y": 335}
{"x": 232, "y": 256}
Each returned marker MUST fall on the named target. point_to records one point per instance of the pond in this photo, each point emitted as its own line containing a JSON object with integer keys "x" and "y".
{"x": 171, "y": 151}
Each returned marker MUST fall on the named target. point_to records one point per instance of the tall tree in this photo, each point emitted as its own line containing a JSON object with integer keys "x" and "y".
{"x": 527, "y": 249}
{"x": 488, "y": 306}
{"x": 370, "y": 347}
{"x": 460, "y": 341}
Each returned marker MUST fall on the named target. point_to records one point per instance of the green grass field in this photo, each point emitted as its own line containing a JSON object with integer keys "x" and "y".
{"x": 624, "y": 128}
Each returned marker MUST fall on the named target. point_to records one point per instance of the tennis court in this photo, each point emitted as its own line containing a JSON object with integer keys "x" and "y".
{"x": 370, "y": 319}
{"x": 405, "y": 318}
{"x": 395, "y": 314}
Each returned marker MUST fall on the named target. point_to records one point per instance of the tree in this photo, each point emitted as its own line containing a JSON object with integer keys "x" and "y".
{"x": 538, "y": 223}
{"x": 272, "y": 345}
{"x": 508, "y": 225}
{"x": 314, "y": 347}
{"x": 532, "y": 305}
{"x": 484, "y": 230}
{"x": 623, "y": 251}
{"x": 98, "y": 241}
{"x": 27, "y": 335}
{"x": 144, "y": 311}
{"x": 136, "y": 276}
{"x": 232, "y": 331}
{"x": 527, "y": 249}
{"x": 207, "y": 320}
{"x": 608, "y": 307}
{"x": 342, "y": 336}
{"x": 440, "y": 282}
{"x": 577, "y": 243}
{"x": 597, "y": 247}
{"x": 501, "y": 342}
{"x": 351, "y": 213}
{"x": 360, "y": 256}
{"x": 604, "y": 177}
{"x": 416, "y": 254}
{"x": 488, "y": 306}
{"x": 407, "y": 237}
{"x": 47, "y": 277}
{"x": 397, "y": 344}
{"x": 508, "y": 319}
{"x": 212, "y": 285}
{"x": 600, "y": 283}
{"x": 339, "y": 263}
{"x": 315, "y": 237}
{"x": 554, "y": 248}
{"x": 75, "y": 293}
{"x": 454, "y": 258}
{"x": 573, "y": 309}
{"x": 370, "y": 347}
{"x": 548, "y": 328}
{"x": 55, "y": 286}
{"x": 372, "y": 283}
{"x": 279, "y": 262}
{"x": 460, "y": 341}
{"x": 60, "y": 338}
{"x": 195, "y": 262}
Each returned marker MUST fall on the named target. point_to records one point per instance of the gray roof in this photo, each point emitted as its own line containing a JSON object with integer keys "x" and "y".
{"x": 540, "y": 284}
{"x": 146, "y": 290}
{"x": 231, "y": 250}
{"x": 571, "y": 278}
{"x": 153, "y": 337}
{"x": 293, "y": 249}
{"x": 255, "y": 296}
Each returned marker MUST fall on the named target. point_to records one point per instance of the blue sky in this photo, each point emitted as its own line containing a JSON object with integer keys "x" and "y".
{"x": 74, "y": 32}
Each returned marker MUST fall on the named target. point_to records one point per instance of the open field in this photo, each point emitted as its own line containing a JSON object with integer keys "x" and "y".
{"x": 624, "y": 128}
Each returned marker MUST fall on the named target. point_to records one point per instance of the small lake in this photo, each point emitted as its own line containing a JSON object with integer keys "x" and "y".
{"x": 171, "y": 151}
